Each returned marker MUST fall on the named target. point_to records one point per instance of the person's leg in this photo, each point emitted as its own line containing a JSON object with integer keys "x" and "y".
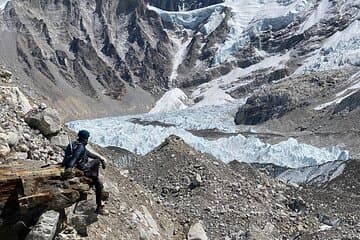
{"x": 98, "y": 190}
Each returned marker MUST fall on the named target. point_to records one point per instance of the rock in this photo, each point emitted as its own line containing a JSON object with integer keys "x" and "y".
{"x": 13, "y": 138}
{"x": 46, "y": 227}
{"x": 297, "y": 205}
{"x": 82, "y": 215}
{"x": 196, "y": 181}
{"x": 197, "y": 232}
{"x": 60, "y": 140}
{"x": 348, "y": 104}
{"x": 17, "y": 98}
{"x": 47, "y": 121}
{"x": 22, "y": 148}
{"x": 332, "y": 222}
{"x": 261, "y": 107}
{"x": 42, "y": 106}
{"x": 5, "y": 75}
{"x": 4, "y": 148}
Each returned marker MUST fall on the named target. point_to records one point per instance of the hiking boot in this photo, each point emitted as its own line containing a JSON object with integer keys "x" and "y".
{"x": 104, "y": 195}
{"x": 101, "y": 211}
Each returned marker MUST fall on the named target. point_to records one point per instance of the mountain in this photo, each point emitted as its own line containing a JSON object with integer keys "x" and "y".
{"x": 119, "y": 57}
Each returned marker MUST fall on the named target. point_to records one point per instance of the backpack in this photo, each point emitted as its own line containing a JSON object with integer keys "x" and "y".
{"x": 70, "y": 149}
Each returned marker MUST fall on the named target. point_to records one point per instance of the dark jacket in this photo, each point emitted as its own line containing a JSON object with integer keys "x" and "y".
{"x": 76, "y": 155}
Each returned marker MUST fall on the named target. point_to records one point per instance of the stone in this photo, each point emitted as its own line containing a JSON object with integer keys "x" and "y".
{"x": 196, "y": 181}
{"x": 47, "y": 121}
{"x": 61, "y": 140}
{"x": 22, "y": 148}
{"x": 46, "y": 227}
{"x": 82, "y": 215}
{"x": 197, "y": 232}
{"x": 4, "y": 148}
{"x": 13, "y": 138}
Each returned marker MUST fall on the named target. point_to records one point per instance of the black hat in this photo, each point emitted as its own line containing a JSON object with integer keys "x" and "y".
{"x": 83, "y": 134}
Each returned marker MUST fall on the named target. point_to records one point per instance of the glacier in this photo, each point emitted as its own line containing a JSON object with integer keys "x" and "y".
{"x": 142, "y": 139}
{"x": 248, "y": 17}
{"x": 341, "y": 50}
{"x": 314, "y": 175}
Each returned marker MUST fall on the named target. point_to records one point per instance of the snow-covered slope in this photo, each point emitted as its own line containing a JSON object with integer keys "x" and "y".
{"x": 340, "y": 50}
{"x": 173, "y": 100}
{"x": 141, "y": 139}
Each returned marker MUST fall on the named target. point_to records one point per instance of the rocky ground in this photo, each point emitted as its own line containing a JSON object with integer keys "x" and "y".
{"x": 133, "y": 212}
{"x": 236, "y": 201}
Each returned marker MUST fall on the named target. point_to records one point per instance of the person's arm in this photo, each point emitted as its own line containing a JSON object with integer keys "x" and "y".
{"x": 76, "y": 155}
{"x": 95, "y": 156}
{"x": 92, "y": 155}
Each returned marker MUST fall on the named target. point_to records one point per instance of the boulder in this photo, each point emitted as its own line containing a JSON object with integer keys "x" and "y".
{"x": 61, "y": 140}
{"x": 4, "y": 147}
{"x": 197, "y": 232}
{"x": 81, "y": 215}
{"x": 47, "y": 121}
{"x": 196, "y": 181}
{"x": 46, "y": 227}
{"x": 13, "y": 138}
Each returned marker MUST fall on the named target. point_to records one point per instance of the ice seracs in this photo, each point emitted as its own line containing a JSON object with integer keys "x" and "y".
{"x": 340, "y": 50}
{"x": 142, "y": 139}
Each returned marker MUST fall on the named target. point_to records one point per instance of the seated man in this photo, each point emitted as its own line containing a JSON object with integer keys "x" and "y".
{"x": 76, "y": 155}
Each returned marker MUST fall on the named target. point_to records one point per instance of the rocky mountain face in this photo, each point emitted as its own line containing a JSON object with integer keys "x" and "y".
{"x": 95, "y": 52}
{"x": 117, "y": 57}
{"x": 181, "y": 5}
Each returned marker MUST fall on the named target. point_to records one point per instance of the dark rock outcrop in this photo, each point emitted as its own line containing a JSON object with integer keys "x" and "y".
{"x": 348, "y": 104}
{"x": 262, "y": 107}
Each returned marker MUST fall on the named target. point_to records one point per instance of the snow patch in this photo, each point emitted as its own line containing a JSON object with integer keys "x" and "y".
{"x": 215, "y": 91}
{"x": 173, "y": 100}
{"x": 319, "y": 14}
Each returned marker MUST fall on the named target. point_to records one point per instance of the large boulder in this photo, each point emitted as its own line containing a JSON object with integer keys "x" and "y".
{"x": 47, "y": 121}
{"x": 264, "y": 106}
{"x": 46, "y": 227}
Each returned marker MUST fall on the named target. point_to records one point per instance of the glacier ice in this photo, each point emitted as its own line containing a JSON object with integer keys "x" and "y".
{"x": 253, "y": 16}
{"x": 188, "y": 19}
{"x": 140, "y": 139}
{"x": 3, "y": 4}
{"x": 313, "y": 174}
{"x": 341, "y": 50}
